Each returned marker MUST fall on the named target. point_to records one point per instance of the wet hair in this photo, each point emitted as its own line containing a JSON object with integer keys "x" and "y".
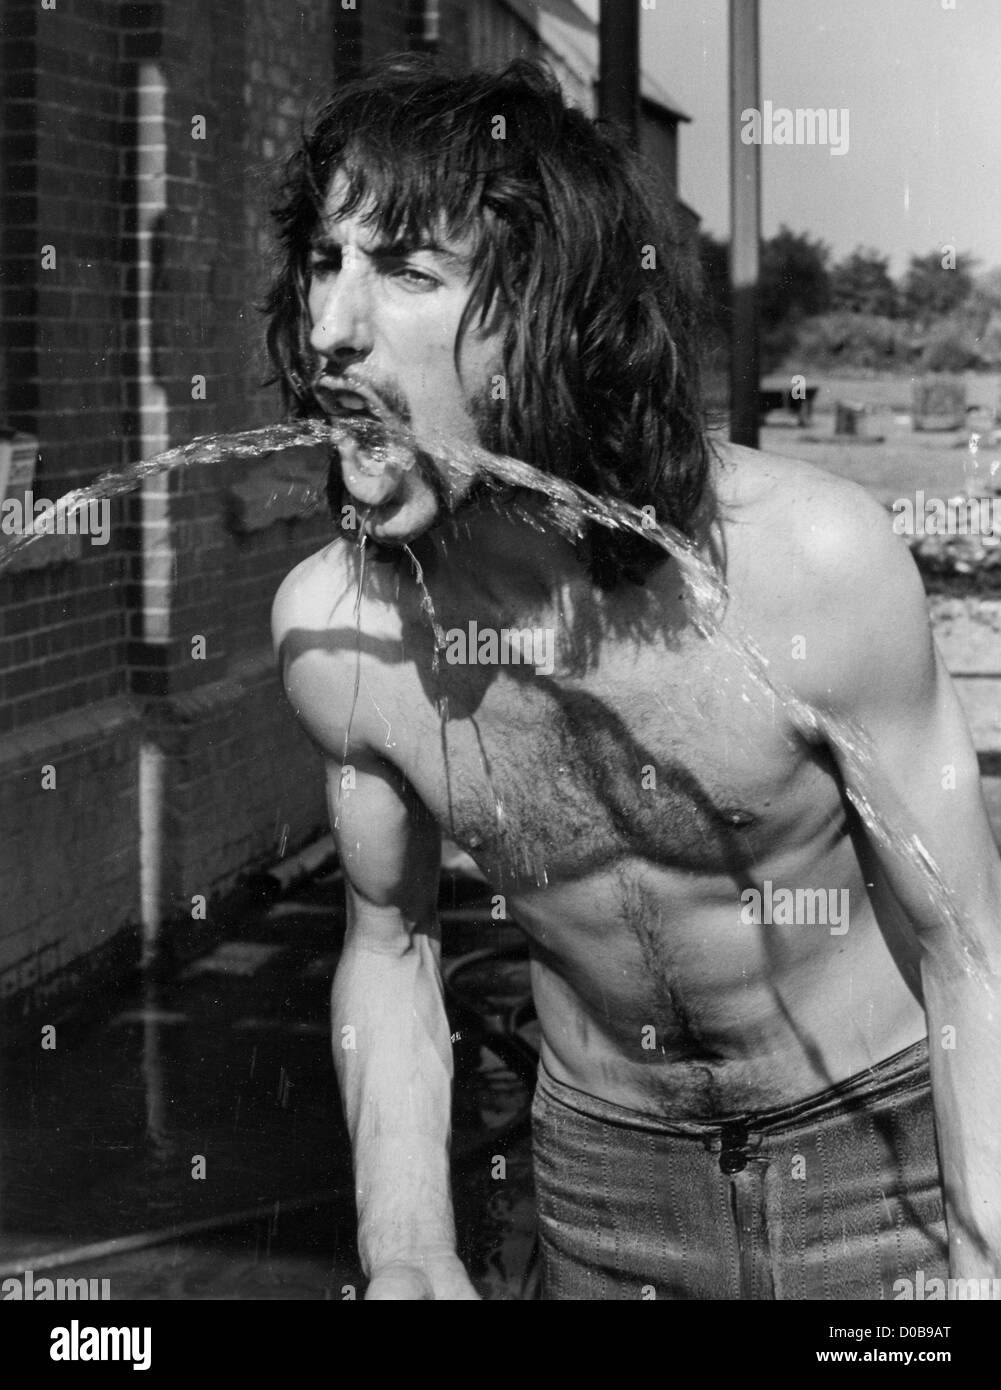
{"x": 597, "y": 292}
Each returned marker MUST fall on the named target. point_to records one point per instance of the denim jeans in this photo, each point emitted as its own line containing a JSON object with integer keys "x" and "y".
{"x": 835, "y": 1197}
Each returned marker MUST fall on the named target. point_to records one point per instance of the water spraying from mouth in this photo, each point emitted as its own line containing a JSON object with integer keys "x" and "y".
{"x": 571, "y": 510}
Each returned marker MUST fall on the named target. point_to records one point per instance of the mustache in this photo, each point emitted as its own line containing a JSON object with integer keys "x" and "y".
{"x": 389, "y": 392}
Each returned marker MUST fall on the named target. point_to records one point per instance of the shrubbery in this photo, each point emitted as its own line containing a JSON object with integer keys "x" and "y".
{"x": 949, "y": 347}
{"x": 868, "y": 342}
{"x": 851, "y": 316}
{"x": 864, "y": 341}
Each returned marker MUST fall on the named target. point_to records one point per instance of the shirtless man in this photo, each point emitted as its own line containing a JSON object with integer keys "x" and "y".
{"x": 734, "y": 1097}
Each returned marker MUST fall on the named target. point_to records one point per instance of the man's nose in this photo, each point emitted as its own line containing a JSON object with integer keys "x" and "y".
{"x": 342, "y": 329}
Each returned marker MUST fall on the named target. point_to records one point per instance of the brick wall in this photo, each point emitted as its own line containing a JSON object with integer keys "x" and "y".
{"x": 81, "y": 689}
{"x": 69, "y": 855}
{"x": 61, "y": 333}
{"x": 68, "y": 734}
{"x": 239, "y": 779}
{"x": 140, "y": 143}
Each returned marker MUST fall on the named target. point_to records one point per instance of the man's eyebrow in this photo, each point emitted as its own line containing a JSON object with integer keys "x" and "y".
{"x": 400, "y": 248}
{"x": 395, "y": 250}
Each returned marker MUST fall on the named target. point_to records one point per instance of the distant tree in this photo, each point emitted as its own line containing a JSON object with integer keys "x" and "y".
{"x": 861, "y": 284}
{"x": 794, "y": 278}
{"x": 937, "y": 284}
{"x": 794, "y": 286}
{"x": 988, "y": 287}
{"x": 714, "y": 258}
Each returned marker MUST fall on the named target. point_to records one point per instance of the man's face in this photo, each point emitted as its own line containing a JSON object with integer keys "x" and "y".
{"x": 385, "y": 319}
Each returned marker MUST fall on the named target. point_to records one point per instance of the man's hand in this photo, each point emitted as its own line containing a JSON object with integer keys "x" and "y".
{"x": 428, "y": 1277}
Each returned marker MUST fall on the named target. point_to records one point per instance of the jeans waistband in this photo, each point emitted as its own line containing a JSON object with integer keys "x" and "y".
{"x": 904, "y": 1073}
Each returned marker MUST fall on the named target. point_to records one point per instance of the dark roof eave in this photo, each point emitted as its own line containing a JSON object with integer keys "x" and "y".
{"x": 652, "y": 104}
{"x": 655, "y": 106}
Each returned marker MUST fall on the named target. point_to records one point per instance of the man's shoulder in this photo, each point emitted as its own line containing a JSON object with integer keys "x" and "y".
{"x": 770, "y": 486}
{"x": 780, "y": 512}
{"x": 815, "y": 567}
{"x": 314, "y": 629}
{"x": 320, "y": 584}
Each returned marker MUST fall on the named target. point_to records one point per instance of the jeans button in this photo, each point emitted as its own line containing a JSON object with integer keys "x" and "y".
{"x": 732, "y": 1161}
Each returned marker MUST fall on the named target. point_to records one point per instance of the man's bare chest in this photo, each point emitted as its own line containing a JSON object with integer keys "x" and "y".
{"x": 663, "y": 757}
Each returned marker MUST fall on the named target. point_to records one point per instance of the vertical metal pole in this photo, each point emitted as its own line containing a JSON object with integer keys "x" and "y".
{"x": 619, "y": 65}
{"x": 745, "y": 225}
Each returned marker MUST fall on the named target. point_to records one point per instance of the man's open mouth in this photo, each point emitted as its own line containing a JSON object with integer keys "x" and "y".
{"x": 340, "y": 396}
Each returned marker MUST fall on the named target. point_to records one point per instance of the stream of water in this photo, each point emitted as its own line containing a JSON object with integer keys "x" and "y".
{"x": 570, "y": 510}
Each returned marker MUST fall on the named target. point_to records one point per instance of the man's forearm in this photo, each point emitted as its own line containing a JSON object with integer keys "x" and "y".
{"x": 394, "y": 1061}
{"x": 964, "y": 1034}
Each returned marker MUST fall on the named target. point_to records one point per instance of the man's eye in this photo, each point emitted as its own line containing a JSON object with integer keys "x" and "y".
{"x": 324, "y": 265}
{"x": 417, "y": 278}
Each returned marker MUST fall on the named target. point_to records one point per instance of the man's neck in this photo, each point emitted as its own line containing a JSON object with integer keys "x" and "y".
{"x": 499, "y": 558}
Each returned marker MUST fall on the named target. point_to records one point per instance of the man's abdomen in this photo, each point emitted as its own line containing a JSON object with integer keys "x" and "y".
{"x": 654, "y": 994}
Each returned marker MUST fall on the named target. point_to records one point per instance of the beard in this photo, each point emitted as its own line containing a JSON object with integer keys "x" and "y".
{"x": 486, "y": 415}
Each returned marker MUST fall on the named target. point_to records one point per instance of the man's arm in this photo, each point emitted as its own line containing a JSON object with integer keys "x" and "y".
{"x": 875, "y": 662}
{"x": 391, "y": 1042}
{"x": 391, "y": 1039}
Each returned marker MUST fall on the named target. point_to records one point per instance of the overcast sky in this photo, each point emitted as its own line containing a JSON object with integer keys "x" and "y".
{"x": 922, "y": 86}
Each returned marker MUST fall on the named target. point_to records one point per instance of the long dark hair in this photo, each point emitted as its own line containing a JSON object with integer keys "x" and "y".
{"x": 600, "y": 347}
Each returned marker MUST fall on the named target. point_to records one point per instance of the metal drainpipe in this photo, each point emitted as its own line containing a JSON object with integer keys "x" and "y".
{"x": 154, "y": 435}
{"x": 745, "y": 226}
